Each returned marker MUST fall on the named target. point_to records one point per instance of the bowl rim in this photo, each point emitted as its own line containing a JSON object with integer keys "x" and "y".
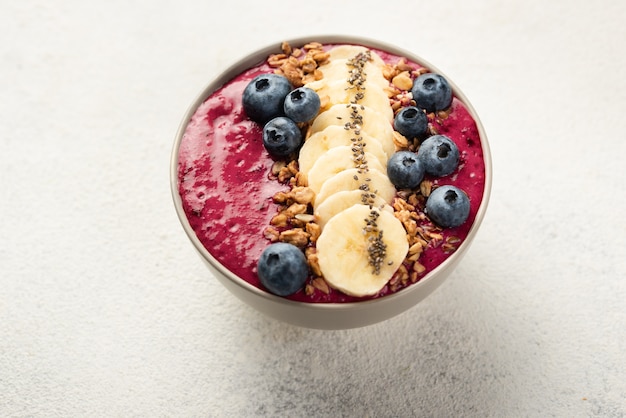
{"x": 256, "y": 57}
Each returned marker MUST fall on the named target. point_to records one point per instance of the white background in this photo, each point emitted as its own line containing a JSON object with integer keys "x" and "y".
{"x": 106, "y": 310}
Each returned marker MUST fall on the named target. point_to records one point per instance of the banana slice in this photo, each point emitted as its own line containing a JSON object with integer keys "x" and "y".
{"x": 351, "y": 179}
{"x": 335, "y": 160}
{"x": 340, "y": 69}
{"x": 341, "y": 201}
{"x": 373, "y": 123}
{"x": 340, "y": 91}
{"x": 342, "y": 251}
{"x": 350, "y": 51}
{"x": 335, "y": 136}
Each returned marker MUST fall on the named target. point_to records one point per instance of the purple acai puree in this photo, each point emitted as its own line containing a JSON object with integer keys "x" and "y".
{"x": 227, "y": 189}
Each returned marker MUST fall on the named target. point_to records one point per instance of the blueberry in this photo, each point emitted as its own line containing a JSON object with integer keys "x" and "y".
{"x": 302, "y": 104}
{"x": 439, "y": 154}
{"x": 405, "y": 170}
{"x": 282, "y": 268}
{"x": 448, "y": 206}
{"x": 264, "y": 96}
{"x": 432, "y": 92}
{"x": 281, "y": 136}
{"x": 411, "y": 122}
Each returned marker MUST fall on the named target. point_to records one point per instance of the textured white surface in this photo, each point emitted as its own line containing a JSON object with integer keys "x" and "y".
{"x": 105, "y": 310}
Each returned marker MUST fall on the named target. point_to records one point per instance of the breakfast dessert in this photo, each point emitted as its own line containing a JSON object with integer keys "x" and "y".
{"x": 332, "y": 173}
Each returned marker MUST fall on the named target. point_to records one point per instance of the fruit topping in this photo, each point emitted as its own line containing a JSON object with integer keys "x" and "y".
{"x": 374, "y": 183}
{"x": 282, "y": 268}
{"x": 264, "y": 97}
{"x": 439, "y": 154}
{"x": 281, "y": 136}
{"x": 302, "y": 104}
{"x": 405, "y": 170}
{"x": 352, "y": 253}
{"x": 432, "y": 92}
{"x": 448, "y": 206}
{"x": 411, "y": 122}
{"x": 336, "y": 160}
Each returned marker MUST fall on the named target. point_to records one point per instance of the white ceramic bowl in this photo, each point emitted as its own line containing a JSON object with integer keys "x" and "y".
{"x": 327, "y": 315}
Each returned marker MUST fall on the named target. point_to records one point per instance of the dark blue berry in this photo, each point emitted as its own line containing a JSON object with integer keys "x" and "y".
{"x": 405, "y": 170}
{"x": 282, "y": 268}
{"x": 411, "y": 122}
{"x": 302, "y": 104}
{"x": 281, "y": 136}
{"x": 439, "y": 154}
{"x": 448, "y": 206}
{"x": 432, "y": 92}
{"x": 264, "y": 96}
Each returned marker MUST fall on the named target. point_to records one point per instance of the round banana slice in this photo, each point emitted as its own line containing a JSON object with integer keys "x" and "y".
{"x": 343, "y": 251}
{"x": 340, "y": 91}
{"x": 351, "y": 51}
{"x": 338, "y": 159}
{"x": 371, "y": 181}
{"x": 341, "y": 201}
{"x": 340, "y": 69}
{"x": 336, "y": 136}
{"x": 374, "y": 123}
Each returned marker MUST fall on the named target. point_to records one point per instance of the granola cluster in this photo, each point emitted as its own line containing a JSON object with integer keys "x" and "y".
{"x": 295, "y": 222}
{"x": 299, "y": 65}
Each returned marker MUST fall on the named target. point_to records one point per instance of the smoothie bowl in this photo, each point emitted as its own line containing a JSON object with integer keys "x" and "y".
{"x": 331, "y": 182}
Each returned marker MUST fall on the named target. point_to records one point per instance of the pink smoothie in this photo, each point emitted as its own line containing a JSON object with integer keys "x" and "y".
{"x": 226, "y": 189}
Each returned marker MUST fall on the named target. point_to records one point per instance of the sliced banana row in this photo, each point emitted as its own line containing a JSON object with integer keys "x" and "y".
{"x": 341, "y": 201}
{"x": 345, "y": 156}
